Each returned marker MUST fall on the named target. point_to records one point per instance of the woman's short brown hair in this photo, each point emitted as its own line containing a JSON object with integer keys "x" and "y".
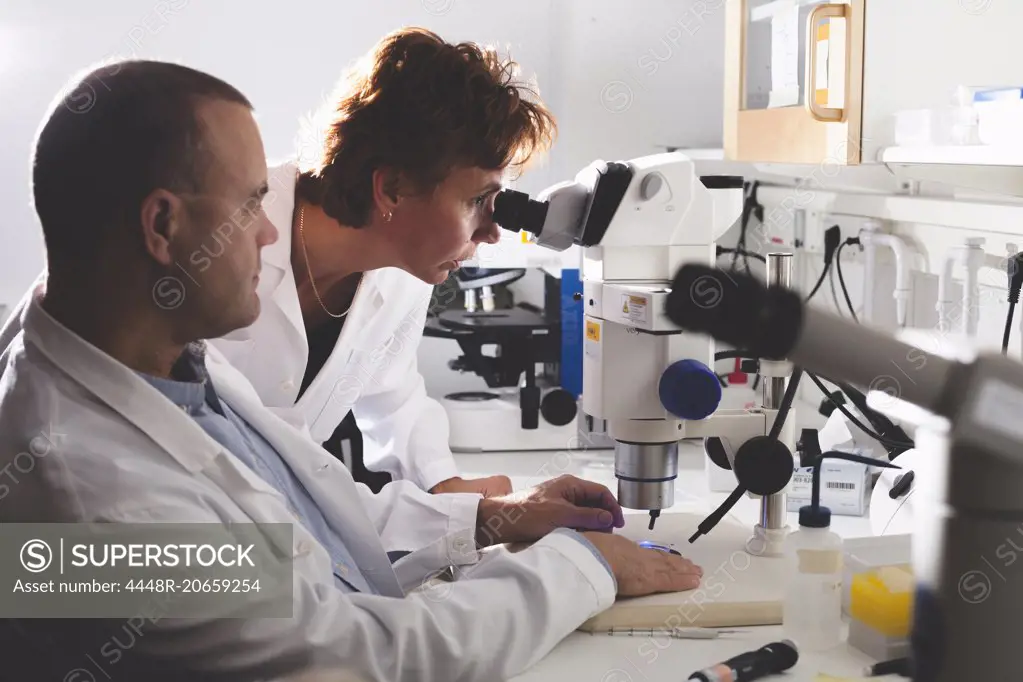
{"x": 423, "y": 107}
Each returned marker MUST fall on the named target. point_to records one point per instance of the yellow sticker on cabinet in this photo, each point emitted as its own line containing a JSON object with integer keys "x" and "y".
{"x": 592, "y": 331}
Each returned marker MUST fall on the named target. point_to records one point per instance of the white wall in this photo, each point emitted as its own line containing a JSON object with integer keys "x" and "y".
{"x": 636, "y": 78}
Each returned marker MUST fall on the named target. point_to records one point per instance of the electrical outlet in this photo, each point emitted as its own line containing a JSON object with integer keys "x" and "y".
{"x": 817, "y": 224}
{"x": 813, "y": 229}
{"x": 773, "y": 234}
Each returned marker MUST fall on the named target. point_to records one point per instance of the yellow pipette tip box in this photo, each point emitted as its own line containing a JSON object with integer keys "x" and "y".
{"x": 882, "y": 599}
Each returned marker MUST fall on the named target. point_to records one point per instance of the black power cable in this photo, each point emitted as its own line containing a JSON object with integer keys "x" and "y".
{"x": 888, "y": 442}
{"x": 894, "y": 438}
{"x": 820, "y": 281}
{"x": 750, "y": 207}
{"x": 880, "y": 425}
{"x": 841, "y": 279}
{"x": 1014, "y": 268}
{"x": 741, "y": 252}
{"x": 1008, "y": 328}
{"x": 832, "y": 239}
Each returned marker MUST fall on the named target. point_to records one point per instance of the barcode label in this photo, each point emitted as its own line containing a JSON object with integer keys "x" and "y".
{"x": 833, "y": 485}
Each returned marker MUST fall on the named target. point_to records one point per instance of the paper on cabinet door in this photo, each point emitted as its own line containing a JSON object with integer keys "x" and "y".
{"x": 785, "y": 57}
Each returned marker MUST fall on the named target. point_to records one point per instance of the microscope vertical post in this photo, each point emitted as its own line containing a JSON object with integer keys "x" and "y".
{"x": 773, "y": 511}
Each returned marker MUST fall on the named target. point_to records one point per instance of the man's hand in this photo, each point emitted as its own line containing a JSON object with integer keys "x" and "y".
{"x": 491, "y": 486}
{"x": 641, "y": 571}
{"x": 562, "y": 502}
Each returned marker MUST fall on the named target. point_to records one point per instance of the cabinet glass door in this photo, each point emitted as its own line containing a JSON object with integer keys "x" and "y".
{"x": 775, "y": 43}
{"x": 793, "y": 79}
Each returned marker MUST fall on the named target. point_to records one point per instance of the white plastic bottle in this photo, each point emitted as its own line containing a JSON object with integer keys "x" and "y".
{"x": 812, "y": 610}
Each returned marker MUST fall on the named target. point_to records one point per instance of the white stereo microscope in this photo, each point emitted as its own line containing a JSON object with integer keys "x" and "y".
{"x": 637, "y": 222}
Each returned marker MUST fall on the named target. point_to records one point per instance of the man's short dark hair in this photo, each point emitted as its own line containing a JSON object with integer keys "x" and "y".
{"x": 120, "y": 132}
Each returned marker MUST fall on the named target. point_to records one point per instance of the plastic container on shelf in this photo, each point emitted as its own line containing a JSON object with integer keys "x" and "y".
{"x": 956, "y": 124}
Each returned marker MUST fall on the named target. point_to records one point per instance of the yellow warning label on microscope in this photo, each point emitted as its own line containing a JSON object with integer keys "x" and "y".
{"x": 635, "y": 308}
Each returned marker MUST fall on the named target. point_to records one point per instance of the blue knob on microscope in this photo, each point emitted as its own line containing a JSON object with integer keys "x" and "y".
{"x": 689, "y": 390}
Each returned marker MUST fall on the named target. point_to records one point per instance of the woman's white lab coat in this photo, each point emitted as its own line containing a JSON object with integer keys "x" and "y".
{"x": 106, "y": 446}
{"x": 372, "y": 370}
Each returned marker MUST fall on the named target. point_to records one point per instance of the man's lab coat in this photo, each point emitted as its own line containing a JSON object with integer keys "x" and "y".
{"x": 372, "y": 371}
{"x": 119, "y": 451}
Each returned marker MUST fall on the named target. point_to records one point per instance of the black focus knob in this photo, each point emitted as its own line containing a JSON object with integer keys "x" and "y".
{"x": 559, "y": 407}
{"x": 763, "y": 465}
{"x": 577, "y": 296}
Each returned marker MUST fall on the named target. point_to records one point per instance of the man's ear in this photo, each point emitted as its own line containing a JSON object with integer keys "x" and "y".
{"x": 161, "y": 220}
{"x": 386, "y": 191}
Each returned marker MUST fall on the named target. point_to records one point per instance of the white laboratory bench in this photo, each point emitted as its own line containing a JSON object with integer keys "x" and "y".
{"x": 584, "y": 657}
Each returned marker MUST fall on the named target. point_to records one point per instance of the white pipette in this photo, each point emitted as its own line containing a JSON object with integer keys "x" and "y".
{"x": 671, "y": 633}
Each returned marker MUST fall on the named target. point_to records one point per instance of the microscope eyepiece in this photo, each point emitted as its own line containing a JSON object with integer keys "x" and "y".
{"x": 515, "y": 211}
{"x": 736, "y": 309}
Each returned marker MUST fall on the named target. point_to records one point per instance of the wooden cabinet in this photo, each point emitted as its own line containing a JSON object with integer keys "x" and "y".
{"x": 809, "y": 81}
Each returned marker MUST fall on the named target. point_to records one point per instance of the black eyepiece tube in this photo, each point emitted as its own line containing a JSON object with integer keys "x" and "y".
{"x": 774, "y": 323}
{"x": 736, "y": 309}
{"x": 515, "y": 211}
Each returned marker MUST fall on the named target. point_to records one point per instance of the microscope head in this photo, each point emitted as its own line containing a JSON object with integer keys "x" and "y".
{"x": 656, "y": 200}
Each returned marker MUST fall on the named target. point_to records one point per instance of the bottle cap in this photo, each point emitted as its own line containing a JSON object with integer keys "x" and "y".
{"x": 814, "y": 517}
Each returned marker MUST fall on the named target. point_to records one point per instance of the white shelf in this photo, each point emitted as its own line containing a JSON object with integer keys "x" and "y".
{"x": 872, "y": 177}
{"x": 963, "y": 155}
{"x": 998, "y": 170}
{"x": 989, "y": 172}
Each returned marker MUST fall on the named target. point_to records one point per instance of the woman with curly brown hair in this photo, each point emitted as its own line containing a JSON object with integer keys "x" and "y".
{"x": 400, "y": 190}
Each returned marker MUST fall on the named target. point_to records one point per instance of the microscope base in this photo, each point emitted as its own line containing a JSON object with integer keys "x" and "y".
{"x": 767, "y": 542}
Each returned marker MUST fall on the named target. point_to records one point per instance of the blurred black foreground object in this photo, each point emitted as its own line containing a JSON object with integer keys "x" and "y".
{"x": 737, "y": 309}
